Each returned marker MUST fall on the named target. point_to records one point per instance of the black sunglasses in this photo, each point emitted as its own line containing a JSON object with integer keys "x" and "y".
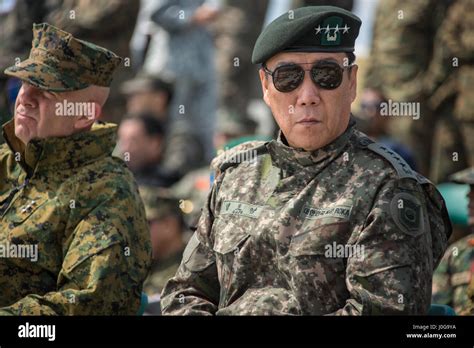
{"x": 325, "y": 74}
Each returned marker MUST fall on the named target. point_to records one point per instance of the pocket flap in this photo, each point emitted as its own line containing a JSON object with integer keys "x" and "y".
{"x": 88, "y": 244}
{"x": 230, "y": 233}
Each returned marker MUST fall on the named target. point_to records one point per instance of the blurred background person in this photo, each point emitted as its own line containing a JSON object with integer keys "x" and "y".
{"x": 456, "y": 270}
{"x": 141, "y": 141}
{"x": 189, "y": 58}
{"x": 232, "y": 129}
{"x": 152, "y": 95}
{"x": 168, "y": 239}
{"x": 236, "y": 29}
{"x": 148, "y": 94}
{"x": 376, "y": 126}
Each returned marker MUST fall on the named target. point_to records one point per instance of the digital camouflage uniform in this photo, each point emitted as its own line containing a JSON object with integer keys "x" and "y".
{"x": 346, "y": 229}
{"x": 71, "y": 198}
{"x": 262, "y": 240}
{"x": 454, "y": 276}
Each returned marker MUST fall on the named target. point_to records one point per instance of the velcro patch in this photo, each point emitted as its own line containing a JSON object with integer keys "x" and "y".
{"x": 243, "y": 209}
{"x": 339, "y": 211}
{"x": 407, "y": 212}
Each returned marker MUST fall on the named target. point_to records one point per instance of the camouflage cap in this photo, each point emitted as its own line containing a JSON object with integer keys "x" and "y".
{"x": 465, "y": 176}
{"x": 58, "y": 62}
{"x": 308, "y": 29}
{"x": 159, "y": 202}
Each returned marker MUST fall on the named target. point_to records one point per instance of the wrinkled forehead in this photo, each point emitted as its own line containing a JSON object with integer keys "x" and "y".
{"x": 305, "y": 58}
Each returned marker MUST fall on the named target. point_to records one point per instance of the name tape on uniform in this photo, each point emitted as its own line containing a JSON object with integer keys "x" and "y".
{"x": 341, "y": 211}
{"x": 242, "y": 209}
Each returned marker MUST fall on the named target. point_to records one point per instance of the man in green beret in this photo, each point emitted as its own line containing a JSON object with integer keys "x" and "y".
{"x": 73, "y": 233}
{"x": 322, "y": 220}
{"x": 453, "y": 280}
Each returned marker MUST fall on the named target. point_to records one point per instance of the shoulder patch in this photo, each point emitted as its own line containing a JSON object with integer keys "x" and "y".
{"x": 407, "y": 213}
{"x": 402, "y": 167}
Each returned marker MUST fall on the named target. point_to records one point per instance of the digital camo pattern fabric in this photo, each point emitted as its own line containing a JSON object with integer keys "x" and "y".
{"x": 59, "y": 62}
{"x": 79, "y": 207}
{"x": 348, "y": 229}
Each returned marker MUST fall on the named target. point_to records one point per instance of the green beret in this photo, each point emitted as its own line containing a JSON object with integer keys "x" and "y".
{"x": 308, "y": 29}
{"x": 58, "y": 62}
{"x": 465, "y": 176}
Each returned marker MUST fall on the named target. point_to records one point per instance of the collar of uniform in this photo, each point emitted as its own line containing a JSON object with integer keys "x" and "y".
{"x": 63, "y": 152}
{"x": 283, "y": 153}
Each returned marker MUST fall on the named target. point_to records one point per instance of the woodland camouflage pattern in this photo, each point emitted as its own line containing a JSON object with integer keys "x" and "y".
{"x": 453, "y": 276}
{"x": 58, "y": 62}
{"x": 81, "y": 207}
{"x": 261, "y": 242}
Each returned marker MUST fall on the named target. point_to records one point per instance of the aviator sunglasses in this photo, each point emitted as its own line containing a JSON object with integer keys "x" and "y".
{"x": 325, "y": 74}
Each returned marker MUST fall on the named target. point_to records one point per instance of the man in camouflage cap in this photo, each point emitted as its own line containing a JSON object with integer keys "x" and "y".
{"x": 73, "y": 232}
{"x": 453, "y": 281}
{"x": 322, "y": 220}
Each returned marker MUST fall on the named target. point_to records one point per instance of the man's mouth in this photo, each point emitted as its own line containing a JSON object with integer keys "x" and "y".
{"x": 308, "y": 121}
{"x": 21, "y": 114}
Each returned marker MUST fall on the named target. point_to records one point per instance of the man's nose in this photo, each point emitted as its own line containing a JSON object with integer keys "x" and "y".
{"x": 26, "y": 96}
{"x": 308, "y": 93}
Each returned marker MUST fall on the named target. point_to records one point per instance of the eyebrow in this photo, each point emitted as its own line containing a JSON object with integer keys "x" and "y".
{"x": 329, "y": 59}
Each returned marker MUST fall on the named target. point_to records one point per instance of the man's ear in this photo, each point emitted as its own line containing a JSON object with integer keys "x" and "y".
{"x": 86, "y": 121}
{"x": 264, "y": 81}
{"x": 353, "y": 82}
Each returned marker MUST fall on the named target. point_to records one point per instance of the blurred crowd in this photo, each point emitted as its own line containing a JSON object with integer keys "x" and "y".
{"x": 187, "y": 90}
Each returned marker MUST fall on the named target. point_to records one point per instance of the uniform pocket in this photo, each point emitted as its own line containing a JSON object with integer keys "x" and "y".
{"x": 229, "y": 233}
{"x": 29, "y": 222}
{"x": 318, "y": 262}
{"x": 197, "y": 257}
{"x": 319, "y": 240}
{"x": 90, "y": 243}
{"x": 24, "y": 208}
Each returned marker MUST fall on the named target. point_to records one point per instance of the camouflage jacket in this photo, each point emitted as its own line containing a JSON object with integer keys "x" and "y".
{"x": 79, "y": 207}
{"x": 453, "y": 276}
{"x": 348, "y": 229}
